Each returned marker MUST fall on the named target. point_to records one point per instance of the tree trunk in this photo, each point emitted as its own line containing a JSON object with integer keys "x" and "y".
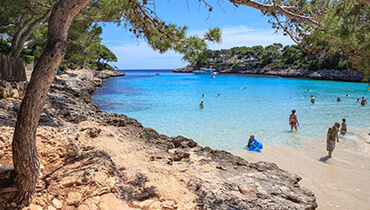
{"x": 25, "y": 157}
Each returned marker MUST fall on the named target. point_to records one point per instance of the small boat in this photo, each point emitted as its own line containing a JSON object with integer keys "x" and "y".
{"x": 205, "y": 71}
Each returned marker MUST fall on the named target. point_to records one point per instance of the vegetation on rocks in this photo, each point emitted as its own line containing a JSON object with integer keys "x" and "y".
{"x": 273, "y": 56}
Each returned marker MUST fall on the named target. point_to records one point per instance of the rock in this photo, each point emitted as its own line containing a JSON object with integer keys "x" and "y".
{"x": 15, "y": 94}
{"x": 194, "y": 184}
{"x": 142, "y": 204}
{"x": 5, "y": 89}
{"x": 110, "y": 201}
{"x": 51, "y": 208}
{"x": 87, "y": 207}
{"x": 34, "y": 207}
{"x": 3, "y": 92}
{"x": 57, "y": 203}
{"x": 74, "y": 198}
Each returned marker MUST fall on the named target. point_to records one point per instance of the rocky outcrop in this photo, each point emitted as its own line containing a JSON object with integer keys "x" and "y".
{"x": 14, "y": 90}
{"x": 75, "y": 174}
{"x": 343, "y": 75}
{"x": 184, "y": 70}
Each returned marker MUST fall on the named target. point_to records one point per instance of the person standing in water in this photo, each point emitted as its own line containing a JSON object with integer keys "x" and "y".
{"x": 312, "y": 99}
{"x": 201, "y": 105}
{"x": 338, "y": 99}
{"x": 293, "y": 121}
{"x": 343, "y": 129}
{"x": 363, "y": 101}
{"x": 331, "y": 137}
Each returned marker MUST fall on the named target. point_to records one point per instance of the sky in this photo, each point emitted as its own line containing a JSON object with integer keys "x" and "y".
{"x": 240, "y": 26}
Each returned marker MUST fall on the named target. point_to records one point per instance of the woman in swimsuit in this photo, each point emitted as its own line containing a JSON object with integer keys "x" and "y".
{"x": 293, "y": 121}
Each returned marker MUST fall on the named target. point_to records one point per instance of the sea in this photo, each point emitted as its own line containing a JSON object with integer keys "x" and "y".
{"x": 239, "y": 105}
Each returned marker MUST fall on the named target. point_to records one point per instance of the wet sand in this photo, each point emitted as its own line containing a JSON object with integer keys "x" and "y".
{"x": 341, "y": 182}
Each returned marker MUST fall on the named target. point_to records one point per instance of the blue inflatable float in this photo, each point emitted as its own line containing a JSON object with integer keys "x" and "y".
{"x": 255, "y": 146}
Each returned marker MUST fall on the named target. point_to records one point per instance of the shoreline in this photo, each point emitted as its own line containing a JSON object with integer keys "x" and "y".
{"x": 92, "y": 159}
{"x": 341, "y": 182}
{"x": 334, "y": 75}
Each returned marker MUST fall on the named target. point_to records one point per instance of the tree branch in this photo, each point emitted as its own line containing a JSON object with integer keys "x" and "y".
{"x": 295, "y": 40}
{"x": 40, "y": 4}
{"x": 274, "y": 7}
{"x": 29, "y": 31}
{"x": 7, "y": 26}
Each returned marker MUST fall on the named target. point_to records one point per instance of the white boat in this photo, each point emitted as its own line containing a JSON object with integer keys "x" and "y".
{"x": 205, "y": 71}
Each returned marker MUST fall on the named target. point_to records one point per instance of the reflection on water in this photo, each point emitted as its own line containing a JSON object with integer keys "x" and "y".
{"x": 341, "y": 182}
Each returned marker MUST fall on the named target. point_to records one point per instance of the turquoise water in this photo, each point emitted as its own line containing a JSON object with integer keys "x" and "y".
{"x": 248, "y": 104}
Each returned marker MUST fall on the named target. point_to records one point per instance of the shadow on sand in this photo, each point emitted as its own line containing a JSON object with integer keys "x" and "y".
{"x": 324, "y": 159}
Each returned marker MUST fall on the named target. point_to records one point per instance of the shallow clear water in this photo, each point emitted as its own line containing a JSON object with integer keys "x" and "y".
{"x": 248, "y": 104}
{"x": 169, "y": 103}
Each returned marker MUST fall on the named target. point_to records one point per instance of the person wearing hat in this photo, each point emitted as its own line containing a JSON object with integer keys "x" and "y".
{"x": 331, "y": 137}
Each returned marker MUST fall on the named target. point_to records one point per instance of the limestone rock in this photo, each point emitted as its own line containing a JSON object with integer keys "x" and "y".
{"x": 57, "y": 203}
{"x": 15, "y": 93}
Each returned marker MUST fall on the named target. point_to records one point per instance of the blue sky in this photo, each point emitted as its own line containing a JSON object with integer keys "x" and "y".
{"x": 242, "y": 26}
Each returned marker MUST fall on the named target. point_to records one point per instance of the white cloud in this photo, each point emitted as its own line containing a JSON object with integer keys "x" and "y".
{"x": 141, "y": 56}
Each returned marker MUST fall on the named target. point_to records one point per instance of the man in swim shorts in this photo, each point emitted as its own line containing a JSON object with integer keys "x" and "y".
{"x": 363, "y": 101}
{"x": 312, "y": 99}
{"x": 331, "y": 137}
{"x": 343, "y": 129}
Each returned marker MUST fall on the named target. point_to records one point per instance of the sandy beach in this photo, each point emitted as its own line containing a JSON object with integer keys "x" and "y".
{"x": 342, "y": 182}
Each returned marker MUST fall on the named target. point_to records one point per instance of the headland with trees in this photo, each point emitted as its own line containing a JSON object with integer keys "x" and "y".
{"x": 276, "y": 59}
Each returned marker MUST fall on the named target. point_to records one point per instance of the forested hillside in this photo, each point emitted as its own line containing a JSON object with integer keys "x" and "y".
{"x": 275, "y": 56}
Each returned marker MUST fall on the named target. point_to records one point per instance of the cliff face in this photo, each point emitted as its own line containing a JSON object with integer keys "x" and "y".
{"x": 91, "y": 159}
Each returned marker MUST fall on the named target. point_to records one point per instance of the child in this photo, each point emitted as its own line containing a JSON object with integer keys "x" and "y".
{"x": 343, "y": 129}
{"x": 253, "y": 144}
{"x": 250, "y": 141}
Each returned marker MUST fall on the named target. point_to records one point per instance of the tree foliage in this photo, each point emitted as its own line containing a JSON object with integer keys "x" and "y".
{"x": 273, "y": 56}
{"x": 27, "y": 29}
{"x": 322, "y": 27}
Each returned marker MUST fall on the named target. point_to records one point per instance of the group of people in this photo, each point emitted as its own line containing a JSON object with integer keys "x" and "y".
{"x": 332, "y": 135}
{"x": 363, "y": 100}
